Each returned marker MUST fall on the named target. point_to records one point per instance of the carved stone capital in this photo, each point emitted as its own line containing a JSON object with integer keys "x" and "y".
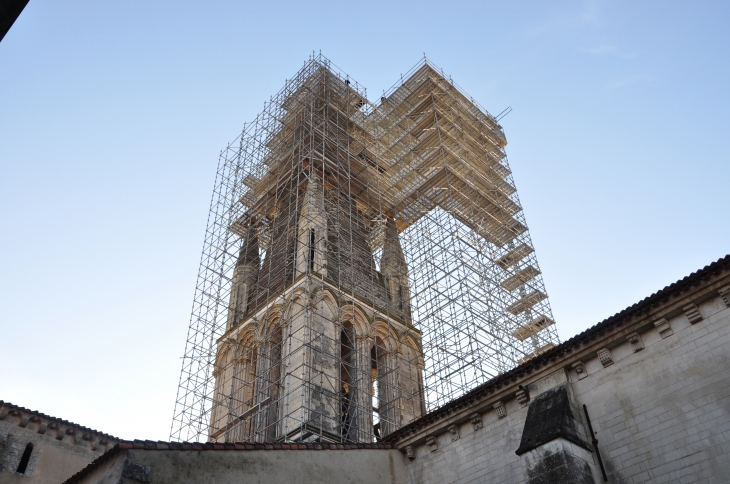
{"x": 605, "y": 357}
{"x": 636, "y": 342}
{"x": 431, "y": 443}
{"x": 523, "y": 396}
{"x": 580, "y": 369}
{"x": 725, "y": 295}
{"x": 410, "y": 452}
{"x": 500, "y": 409}
{"x": 664, "y": 328}
{"x": 476, "y": 421}
{"x": 693, "y": 313}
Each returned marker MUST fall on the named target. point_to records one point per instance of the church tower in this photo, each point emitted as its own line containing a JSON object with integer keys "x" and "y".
{"x": 319, "y": 344}
{"x": 363, "y": 262}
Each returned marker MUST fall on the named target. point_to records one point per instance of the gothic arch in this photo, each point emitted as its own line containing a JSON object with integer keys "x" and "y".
{"x": 413, "y": 346}
{"x": 360, "y": 322}
{"x": 272, "y": 318}
{"x": 387, "y": 333}
{"x": 222, "y": 372}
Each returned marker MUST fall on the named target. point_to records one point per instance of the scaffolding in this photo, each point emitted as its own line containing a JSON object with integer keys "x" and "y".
{"x": 363, "y": 263}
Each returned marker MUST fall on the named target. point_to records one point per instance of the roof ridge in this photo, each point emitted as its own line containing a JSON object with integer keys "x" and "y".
{"x": 4, "y": 403}
{"x": 163, "y": 445}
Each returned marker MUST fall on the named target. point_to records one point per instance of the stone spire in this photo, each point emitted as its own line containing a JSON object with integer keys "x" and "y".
{"x": 244, "y": 279}
{"x": 395, "y": 271}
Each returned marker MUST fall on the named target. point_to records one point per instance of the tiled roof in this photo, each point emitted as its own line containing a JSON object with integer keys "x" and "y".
{"x": 645, "y": 305}
{"x": 150, "y": 445}
{"x": 197, "y": 446}
{"x": 6, "y": 408}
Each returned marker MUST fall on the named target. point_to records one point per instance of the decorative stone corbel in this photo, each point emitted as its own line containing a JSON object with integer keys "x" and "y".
{"x": 42, "y": 428}
{"x": 664, "y": 328}
{"x": 725, "y": 295}
{"x": 636, "y": 341}
{"x": 431, "y": 443}
{"x": 580, "y": 369}
{"x": 454, "y": 431}
{"x": 410, "y": 452}
{"x": 476, "y": 421}
{"x": 604, "y": 356}
{"x": 501, "y": 411}
{"x": 24, "y": 422}
{"x": 693, "y": 313}
{"x": 523, "y": 395}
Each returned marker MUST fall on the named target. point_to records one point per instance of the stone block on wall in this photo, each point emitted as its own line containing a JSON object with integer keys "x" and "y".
{"x": 559, "y": 461}
{"x": 549, "y": 416}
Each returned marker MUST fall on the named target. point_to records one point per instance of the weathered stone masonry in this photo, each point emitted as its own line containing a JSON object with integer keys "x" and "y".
{"x": 46, "y": 449}
{"x": 653, "y": 378}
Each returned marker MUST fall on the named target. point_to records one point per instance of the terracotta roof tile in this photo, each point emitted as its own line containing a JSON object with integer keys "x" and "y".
{"x": 9, "y": 406}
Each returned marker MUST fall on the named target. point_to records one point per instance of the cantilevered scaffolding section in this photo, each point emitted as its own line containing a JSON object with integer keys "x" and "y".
{"x": 363, "y": 263}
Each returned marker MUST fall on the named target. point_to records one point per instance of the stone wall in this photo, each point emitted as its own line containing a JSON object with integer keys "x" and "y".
{"x": 55, "y": 449}
{"x": 653, "y": 380}
{"x": 237, "y": 465}
{"x": 643, "y": 396}
{"x": 662, "y": 413}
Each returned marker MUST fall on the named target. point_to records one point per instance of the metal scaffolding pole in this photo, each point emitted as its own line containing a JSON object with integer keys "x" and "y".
{"x": 363, "y": 263}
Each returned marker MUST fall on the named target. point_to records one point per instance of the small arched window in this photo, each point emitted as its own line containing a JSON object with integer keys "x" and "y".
{"x": 25, "y": 459}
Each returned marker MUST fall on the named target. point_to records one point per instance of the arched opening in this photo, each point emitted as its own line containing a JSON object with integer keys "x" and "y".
{"x": 25, "y": 459}
{"x": 221, "y": 391}
{"x": 348, "y": 384}
{"x": 379, "y": 390}
{"x": 243, "y": 390}
{"x": 374, "y": 392}
{"x": 273, "y": 382}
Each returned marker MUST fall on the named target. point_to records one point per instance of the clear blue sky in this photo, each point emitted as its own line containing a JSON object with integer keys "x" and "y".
{"x": 112, "y": 115}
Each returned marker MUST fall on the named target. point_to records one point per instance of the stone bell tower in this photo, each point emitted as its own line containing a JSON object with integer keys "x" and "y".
{"x": 319, "y": 344}
{"x": 363, "y": 260}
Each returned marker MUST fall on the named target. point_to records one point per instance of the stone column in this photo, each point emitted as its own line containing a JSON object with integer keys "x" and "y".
{"x": 363, "y": 391}
{"x": 387, "y": 394}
